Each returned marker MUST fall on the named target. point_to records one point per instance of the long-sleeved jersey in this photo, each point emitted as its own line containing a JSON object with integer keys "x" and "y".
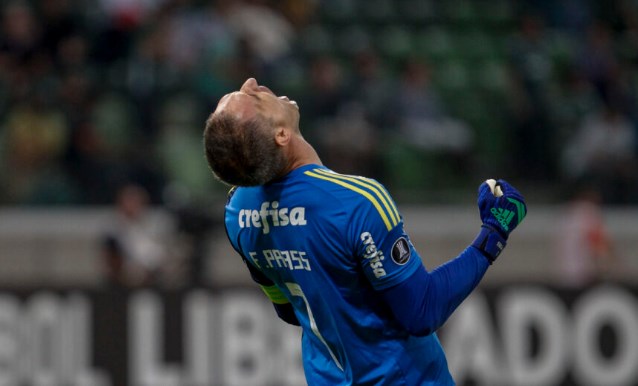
{"x": 334, "y": 245}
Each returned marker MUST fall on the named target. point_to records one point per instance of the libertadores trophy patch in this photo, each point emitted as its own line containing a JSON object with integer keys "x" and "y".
{"x": 401, "y": 251}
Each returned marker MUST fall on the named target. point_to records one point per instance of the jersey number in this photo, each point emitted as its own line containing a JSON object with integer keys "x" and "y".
{"x": 295, "y": 290}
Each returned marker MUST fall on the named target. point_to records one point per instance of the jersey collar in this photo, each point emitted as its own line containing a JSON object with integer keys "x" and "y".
{"x": 298, "y": 171}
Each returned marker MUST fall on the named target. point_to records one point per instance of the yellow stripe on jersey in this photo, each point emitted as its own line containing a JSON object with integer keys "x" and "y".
{"x": 367, "y": 195}
{"x": 385, "y": 193}
{"x": 373, "y": 185}
{"x": 274, "y": 294}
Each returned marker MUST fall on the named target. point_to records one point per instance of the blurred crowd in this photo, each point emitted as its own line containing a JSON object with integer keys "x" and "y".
{"x": 98, "y": 94}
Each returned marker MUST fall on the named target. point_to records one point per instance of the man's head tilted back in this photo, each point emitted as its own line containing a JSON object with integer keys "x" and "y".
{"x": 247, "y": 135}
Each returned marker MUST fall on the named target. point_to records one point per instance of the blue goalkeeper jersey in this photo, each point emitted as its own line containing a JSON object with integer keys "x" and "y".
{"x": 330, "y": 242}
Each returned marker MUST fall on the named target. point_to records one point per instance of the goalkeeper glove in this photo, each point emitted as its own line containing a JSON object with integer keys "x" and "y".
{"x": 500, "y": 216}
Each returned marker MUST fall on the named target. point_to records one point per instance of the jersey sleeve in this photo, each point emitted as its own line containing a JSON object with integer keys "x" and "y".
{"x": 282, "y": 305}
{"x": 230, "y": 226}
{"x": 381, "y": 245}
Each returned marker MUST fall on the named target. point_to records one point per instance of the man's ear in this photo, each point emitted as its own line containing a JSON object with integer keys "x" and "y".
{"x": 282, "y": 136}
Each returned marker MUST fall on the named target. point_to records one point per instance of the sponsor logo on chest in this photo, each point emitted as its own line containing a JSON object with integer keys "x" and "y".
{"x": 271, "y": 215}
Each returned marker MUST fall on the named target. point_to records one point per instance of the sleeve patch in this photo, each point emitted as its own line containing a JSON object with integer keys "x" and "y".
{"x": 401, "y": 251}
{"x": 274, "y": 294}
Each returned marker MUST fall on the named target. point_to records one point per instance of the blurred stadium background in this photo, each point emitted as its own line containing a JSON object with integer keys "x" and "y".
{"x": 114, "y": 267}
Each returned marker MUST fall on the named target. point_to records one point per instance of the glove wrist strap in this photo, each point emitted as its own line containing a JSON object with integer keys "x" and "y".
{"x": 490, "y": 242}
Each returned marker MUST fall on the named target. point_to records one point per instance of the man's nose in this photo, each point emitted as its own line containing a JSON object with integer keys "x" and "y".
{"x": 249, "y": 84}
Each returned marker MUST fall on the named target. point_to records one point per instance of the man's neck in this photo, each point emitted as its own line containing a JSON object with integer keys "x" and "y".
{"x": 301, "y": 153}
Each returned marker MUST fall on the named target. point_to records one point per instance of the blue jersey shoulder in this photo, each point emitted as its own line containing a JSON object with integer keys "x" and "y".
{"x": 356, "y": 191}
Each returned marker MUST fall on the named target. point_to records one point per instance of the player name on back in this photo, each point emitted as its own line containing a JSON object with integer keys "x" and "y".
{"x": 271, "y": 215}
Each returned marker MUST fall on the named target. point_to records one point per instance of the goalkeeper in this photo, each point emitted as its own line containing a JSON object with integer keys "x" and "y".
{"x": 331, "y": 253}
